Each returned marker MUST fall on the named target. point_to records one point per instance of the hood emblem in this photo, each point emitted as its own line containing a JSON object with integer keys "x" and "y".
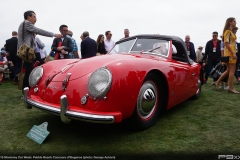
{"x": 67, "y": 67}
{"x": 65, "y": 82}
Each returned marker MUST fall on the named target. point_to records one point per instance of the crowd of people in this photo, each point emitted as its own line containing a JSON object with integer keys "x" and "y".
{"x": 65, "y": 47}
{"x": 215, "y": 50}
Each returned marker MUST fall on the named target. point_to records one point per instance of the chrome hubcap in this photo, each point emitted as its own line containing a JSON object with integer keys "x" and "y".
{"x": 147, "y": 100}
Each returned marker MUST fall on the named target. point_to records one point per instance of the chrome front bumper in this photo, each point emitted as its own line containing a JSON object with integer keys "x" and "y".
{"x": 64, "y": 112}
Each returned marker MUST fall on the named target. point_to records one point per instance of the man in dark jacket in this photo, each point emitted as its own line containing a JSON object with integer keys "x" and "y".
{"x": 190, "y": 48}
{"x": 88, "y": 46}
{"x": 212, "y": 53}
{"x": 11, "y": 48}
{"x": 62, "y": 46}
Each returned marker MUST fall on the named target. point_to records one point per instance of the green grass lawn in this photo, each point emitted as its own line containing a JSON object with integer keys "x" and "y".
{"x": 195, "y": 129}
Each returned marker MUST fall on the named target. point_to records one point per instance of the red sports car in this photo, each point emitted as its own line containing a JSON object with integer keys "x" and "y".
{"x": 138, "y": 78}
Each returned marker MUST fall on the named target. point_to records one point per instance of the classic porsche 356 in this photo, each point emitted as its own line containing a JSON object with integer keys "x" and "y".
{"x": 141, "y": 76}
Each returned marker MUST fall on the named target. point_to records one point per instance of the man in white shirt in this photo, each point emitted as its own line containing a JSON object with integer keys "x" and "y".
{"x": 109, "y": 43}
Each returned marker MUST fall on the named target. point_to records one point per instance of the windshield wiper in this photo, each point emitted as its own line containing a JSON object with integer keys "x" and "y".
{"x": 153, "y": 49}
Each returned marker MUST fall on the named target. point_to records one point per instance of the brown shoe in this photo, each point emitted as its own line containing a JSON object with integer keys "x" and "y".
{"x": 15, "y": 83}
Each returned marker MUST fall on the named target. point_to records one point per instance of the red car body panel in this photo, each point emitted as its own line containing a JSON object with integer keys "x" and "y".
{"x": 128, "y": 74}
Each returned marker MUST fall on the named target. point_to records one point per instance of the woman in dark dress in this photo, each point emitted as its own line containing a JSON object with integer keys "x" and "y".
{"x": 100, "y": 45}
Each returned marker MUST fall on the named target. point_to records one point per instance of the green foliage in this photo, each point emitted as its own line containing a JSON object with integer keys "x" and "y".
{"x": 207, "y": 126}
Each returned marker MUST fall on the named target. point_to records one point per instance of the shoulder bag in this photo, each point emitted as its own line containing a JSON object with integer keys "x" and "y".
{"x": 25, "y": 52}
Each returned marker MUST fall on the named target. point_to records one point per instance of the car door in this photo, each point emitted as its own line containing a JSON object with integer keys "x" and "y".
{"x": 183, "y": 71}
{"x": 182, "y": 74}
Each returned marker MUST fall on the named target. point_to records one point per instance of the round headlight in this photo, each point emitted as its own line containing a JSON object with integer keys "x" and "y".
{"x": 99, "y": 83}
{"x": 35, "y": 76}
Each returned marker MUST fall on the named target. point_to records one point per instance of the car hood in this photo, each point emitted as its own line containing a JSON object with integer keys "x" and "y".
{"x": 83, "y": 67}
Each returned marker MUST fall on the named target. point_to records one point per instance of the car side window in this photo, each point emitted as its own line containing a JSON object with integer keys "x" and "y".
{"x": 152, "y": 46}
{"x": 178, "y": 52}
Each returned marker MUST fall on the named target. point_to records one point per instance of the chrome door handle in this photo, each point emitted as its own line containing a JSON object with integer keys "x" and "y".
{"x": 193, "y": 74}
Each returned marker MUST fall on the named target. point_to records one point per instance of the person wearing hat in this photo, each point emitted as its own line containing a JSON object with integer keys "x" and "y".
{"x": 199, "y": 55}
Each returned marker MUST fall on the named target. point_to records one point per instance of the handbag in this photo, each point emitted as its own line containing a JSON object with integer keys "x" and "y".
{"x": 218, "y": 70}
{"x": 224, "y": 58}
{"x": 25, "y": 52}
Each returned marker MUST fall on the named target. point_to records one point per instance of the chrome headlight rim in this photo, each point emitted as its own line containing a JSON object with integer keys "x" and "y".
{"x": 40, "y": 74}
{"x": 104, "y": 92}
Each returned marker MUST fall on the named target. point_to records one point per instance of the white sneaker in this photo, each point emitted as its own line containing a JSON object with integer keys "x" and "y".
{"x": 226, "y": 88}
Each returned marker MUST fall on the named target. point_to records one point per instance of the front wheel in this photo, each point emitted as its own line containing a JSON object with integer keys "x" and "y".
{"x": 148, "y": 105}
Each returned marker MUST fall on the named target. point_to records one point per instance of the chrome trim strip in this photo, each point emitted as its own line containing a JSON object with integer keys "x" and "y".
{"x": 132, "y": 45}
{"x": 64, "y": 107}
{"x": 91, "y": 117}
{"x": 44, "y": 107}
{"x": 67, "y": 115}
{"x": 25, "y": 94}
{"x": 168, "y": 48}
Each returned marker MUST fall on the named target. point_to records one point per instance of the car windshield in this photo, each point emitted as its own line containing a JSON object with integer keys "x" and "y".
{"x": 143, "y": 45}
{"x": 123, "y": 47}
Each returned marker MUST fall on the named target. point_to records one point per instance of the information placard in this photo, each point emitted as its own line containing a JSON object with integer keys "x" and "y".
{"x": 39, "y": 133}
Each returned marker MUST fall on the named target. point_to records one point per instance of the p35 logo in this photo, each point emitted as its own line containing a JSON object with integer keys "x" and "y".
{"x": 228, "y": 157}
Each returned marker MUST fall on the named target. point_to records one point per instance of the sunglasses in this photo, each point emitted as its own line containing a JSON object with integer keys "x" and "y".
{"x": 214, "y": 35}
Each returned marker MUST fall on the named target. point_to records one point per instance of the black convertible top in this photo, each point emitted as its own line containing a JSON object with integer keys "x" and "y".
{"x": 157, "y": 36}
